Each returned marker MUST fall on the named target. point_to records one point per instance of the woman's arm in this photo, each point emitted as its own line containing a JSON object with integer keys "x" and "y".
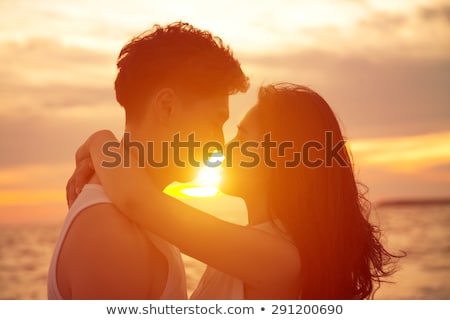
{"x": 256, "y": 257}
{"x": 84, "y": 169}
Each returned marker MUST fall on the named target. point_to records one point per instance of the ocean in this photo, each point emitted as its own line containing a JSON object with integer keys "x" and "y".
{"x": 422, "y": 231}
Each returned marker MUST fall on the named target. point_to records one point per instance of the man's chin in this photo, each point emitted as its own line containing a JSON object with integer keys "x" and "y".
{"x": 229, "y": 190}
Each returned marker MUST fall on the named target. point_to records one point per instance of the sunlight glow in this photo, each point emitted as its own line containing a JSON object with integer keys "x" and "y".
{"x": 205, "y": 191}
{"x": 208, "y": 176}
{"x": 206, "y": 184}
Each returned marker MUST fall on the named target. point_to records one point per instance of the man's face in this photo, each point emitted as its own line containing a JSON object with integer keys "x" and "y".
{"x": 197, "y": 124}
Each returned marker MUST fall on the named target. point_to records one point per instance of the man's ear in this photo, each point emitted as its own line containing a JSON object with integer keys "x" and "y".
{"x": 165, "y": 105}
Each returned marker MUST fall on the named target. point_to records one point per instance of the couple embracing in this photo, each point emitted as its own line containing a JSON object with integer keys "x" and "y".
{"x": 308, "y": 234}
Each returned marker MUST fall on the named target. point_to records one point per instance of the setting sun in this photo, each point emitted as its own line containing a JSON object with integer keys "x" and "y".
{"x": 206, "y": 184}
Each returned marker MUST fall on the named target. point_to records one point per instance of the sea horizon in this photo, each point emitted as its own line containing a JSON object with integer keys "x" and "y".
{"x": 420, "y": 231}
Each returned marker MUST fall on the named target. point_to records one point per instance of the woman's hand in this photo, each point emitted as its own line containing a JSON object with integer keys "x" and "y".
{"x": 84, "y": 168}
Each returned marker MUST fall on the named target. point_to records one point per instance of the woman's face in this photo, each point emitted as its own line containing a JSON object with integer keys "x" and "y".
{"x": 244, "y": 171}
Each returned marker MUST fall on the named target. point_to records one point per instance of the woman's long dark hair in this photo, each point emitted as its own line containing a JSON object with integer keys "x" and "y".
{"x": 318, "y": 201}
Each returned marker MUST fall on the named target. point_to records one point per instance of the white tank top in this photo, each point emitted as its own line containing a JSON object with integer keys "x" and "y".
{"x": 92, "y": 194}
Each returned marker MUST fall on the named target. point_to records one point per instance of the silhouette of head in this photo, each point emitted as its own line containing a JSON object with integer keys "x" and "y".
{"x": 300, "y": 128}
{"x": 177, "y": 79}
{"x": 316, "y": 198}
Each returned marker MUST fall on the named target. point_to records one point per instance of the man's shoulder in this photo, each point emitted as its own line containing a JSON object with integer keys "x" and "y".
{"x": 100, "y": 232}
{"x": 104, "y": 253}
{"x": 101, "y": 217}
{"x": 102, "y": 223}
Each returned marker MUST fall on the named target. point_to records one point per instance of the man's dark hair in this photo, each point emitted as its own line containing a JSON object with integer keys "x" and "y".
{"x": 179, "y": 56}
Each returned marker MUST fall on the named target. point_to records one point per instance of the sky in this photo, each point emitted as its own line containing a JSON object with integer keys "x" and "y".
{"x": 383, "y": 66}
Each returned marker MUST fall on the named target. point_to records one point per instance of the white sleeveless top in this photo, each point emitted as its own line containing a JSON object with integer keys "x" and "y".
{"x": 217, "y": 285}
{"x": 94, "y": 194}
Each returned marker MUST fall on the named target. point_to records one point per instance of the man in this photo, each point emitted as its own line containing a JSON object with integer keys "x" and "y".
{"x": 172, "y": 81}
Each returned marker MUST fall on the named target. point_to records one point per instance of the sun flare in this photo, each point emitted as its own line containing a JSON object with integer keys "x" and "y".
{"x": 206, "y": 184}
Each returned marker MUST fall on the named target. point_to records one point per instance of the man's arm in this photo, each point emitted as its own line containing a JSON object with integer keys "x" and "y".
{"x": 103, "y": 257}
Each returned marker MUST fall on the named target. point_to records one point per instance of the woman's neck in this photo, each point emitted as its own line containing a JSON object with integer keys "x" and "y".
{"x": 257, "y": 209}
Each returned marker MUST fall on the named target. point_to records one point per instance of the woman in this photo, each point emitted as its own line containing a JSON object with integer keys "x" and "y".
{"x": 308, "y": 235}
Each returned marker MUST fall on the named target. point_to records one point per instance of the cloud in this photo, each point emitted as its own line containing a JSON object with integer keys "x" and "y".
{"x": 409, "y": 166}
{"x": 52, "y": 97}
{"x": 383, "y": 30}
{"x": 56, "y": 94}
{"x": 384, "y": 21}
{"x": 372, "y": 96}
{"x": 384, "y": 72}
{"x": 441, "y": 11}
{"x": 27, "y": 96}
{"x": 51, "y": 137}
{"x": 47, "y": 176}
{"x": 405, "y": 154}
{"x": 47, "y": 61}
{"x": 422, "y": 32}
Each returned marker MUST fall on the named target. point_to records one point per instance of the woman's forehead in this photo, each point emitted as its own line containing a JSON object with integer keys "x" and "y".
{"x": 252, "y": 116}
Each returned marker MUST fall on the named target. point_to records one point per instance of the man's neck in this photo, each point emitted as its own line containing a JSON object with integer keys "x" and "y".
{"x": 133, "y": 136}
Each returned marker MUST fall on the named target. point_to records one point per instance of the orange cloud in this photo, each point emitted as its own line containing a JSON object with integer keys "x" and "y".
{"x": 403, "y": 154}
